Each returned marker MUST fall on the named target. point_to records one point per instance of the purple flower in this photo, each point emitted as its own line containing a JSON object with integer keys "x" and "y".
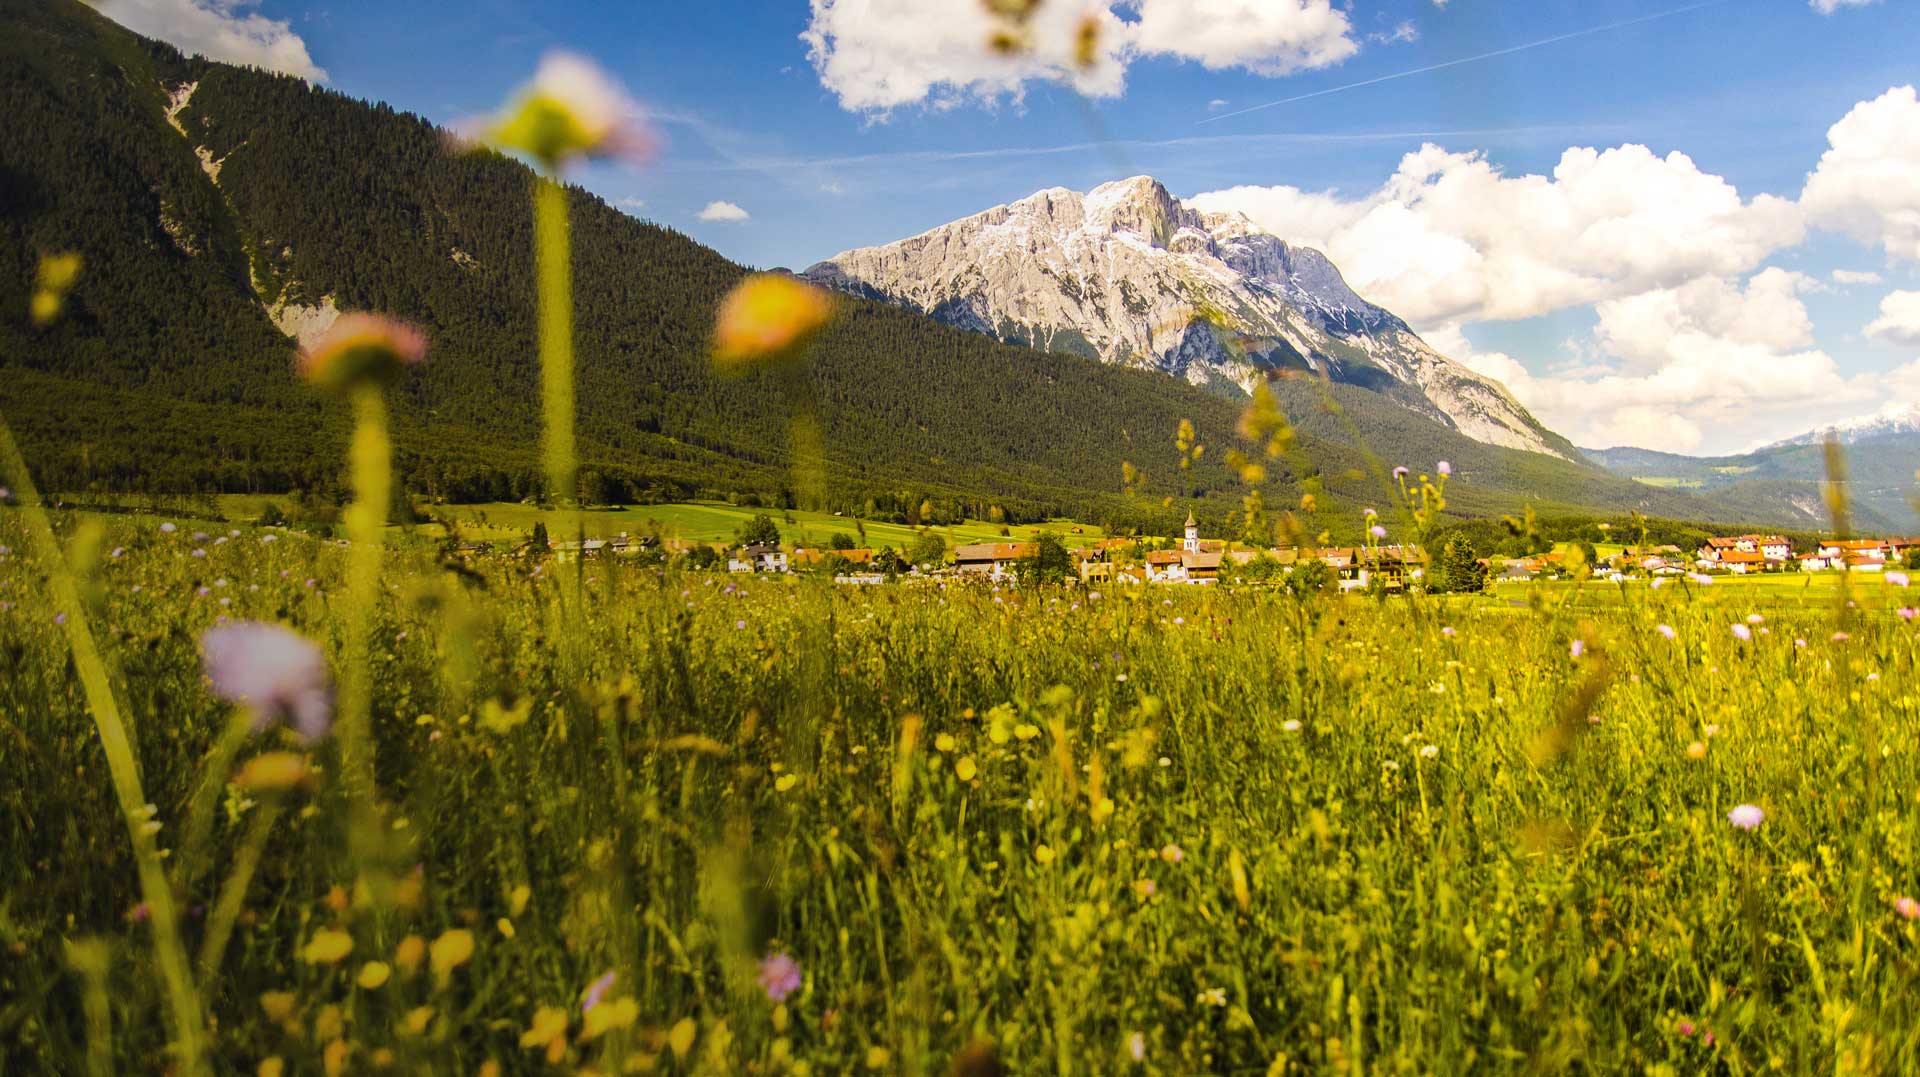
{"x": 597, "y": 990}
{"x": 1898, "y": 579}
{"x": 1906, "y": 613}
{"x": 167, "y": 528}
{"x": 5, "y": 494}
{"x": 1369, "y": 514}
{"x": 273, "y": 671}
{"x": 1447, "y": 631}
{"x": 1665, "y": 630}
{"x": 1579, "y": 648}
{"x": 1746, "y": 816}
{"x": 1377, "y": 531}
{"x": 1742, "y": 633}
{"x": 1841, "y": 637}
{"x": 779, "y": 976}
{"x": 1443, "y": 468}
{"x": 1401, "y": 472}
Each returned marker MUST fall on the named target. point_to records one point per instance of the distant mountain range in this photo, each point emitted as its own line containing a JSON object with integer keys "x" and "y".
{"x": 1127, "y": 274}
{"x": 1784, "y": 479}
{"x": 222, "y": 213}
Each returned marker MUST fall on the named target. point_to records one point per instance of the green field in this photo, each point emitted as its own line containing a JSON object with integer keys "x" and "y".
{"x": 1164, "y": 830}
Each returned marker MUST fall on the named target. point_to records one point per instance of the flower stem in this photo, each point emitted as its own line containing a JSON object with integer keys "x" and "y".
{"x": 182, "y": 1000}
{"x": 227, "y": 909}
{"x": 371, "y": 458}
{"x": 553, "y": 253}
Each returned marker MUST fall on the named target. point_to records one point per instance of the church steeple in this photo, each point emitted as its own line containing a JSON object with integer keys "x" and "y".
{"x": 1192, "y": 545}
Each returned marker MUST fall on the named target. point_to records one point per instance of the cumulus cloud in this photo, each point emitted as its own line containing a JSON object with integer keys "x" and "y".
{"x": 1899, "y": 320}
{"x": 877, "y": 55}
{"x": 1868, "y": 182}
{"x": 1673, "y": 364}
{"x": 1828, "y": 7}
{"x": 219, "y": 30}
{"x": 1449, "y": 237}
{"x": 1848, "y": 278}
{"x": 723, "y": 211}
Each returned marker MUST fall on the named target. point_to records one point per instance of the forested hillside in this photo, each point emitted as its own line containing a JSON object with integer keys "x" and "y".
{"x": 205, "y": 199}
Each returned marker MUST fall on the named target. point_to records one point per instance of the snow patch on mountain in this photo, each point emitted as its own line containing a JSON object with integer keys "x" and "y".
{"x": 1895, "y": 418}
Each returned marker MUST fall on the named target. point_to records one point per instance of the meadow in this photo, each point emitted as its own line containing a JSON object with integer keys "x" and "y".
{"x": 655, "y": 821}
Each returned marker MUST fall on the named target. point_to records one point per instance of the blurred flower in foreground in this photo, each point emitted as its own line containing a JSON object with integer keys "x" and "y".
{"x": 1908, "y": 908}
{"x": 570, "y": 109}
{"x": 597, "y": 990}
{"x": 768, "y": 316}
{"x": 1746, "y": 816}
{"x": 57, "y": 276}
{"x": 360, "y": 349}
{"x": 275, "y": 672}
{"x": 779, "y": 976}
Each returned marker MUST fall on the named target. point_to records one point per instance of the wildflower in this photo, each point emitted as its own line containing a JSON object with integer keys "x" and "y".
{"x": 1700, "y": 578}
{"x": 1746, "y": 816}
{"x": 1146, "y": 888}
{"x": 1212, "y": 996}
{"x": 966, "y": 768}
{"x": 1172, "y": 854}
{"x": 1401, "y": 472}
{"x": 1448, "y": 631}
{"x": 1665, "y": 630}
{"x": 1841, "y": 637}
{"x": 1377, "y": 531}
{"x": 1291, "y": 725}
{"x": 451, "y": 950}
{"x": 1897, "y": 579}
{"x": 1742, "y": 633}
{"x": 276, "y": 673}
{"x": 1905, "y": 613}
{"x": 779, "y": 976}
{"x": 1697, "y": 750}
{"x": 1684, "y": 1027}
{"x": 768, "y": 317}
{"x": 373, "y": 975}
{"x": 1043, "y": 854}
{"x": 785, "y": 782}
{"x": 1026, "y": 731}
{"x": 1908, "y": 908}
{"x": 168, "y": 528}
{"x": 1443, "y": 468}
{"x": 548, "y": 1027}
{"x": 1369, "y": 514}
{"x": 272, "y": 772}
{"x": 1430, "y": 751}
{"x": 327, "y": 947}
{"x": 597, "y": 990}
{"x": 407, "y": 955}
{"x": 361, "y": 349}
{"x": 1578, "y": 648}
{"x": 571, "y": 109}
{"x": 1136, "y": 1047}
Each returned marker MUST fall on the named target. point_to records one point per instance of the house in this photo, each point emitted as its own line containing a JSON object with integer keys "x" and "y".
{"x": 994, "y": 560}
{"x": 1860, "y": 553}
{"x": 815, "y": 556}
{"x": 1163, "y": 566}
{"x": 581, "y": 550}
{"x": 763, "y": 557}
{"x": 1742, "y": 561}
{"x": 1200, "y": 567}
{"x": 1818, "y": 560}
{"x": 1774, "y": 548}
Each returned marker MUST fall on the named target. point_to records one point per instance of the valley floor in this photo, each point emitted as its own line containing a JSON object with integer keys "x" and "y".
{"x": 660, "y": 821}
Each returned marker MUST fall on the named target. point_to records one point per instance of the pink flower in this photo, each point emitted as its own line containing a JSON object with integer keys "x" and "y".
{"x": 1841, "y": 637}
{"x": 1754, "y": 619}
{"x": 779, "y": 976}
{"x": 1401, "y": 472}
{"x": 1684, "y": 1027}
{"x": 1908, "y": 908}
{"x": 1906, "y": 613}
{"x": 1746, "y": 816}
{"x": 597, "y": 990}
{"x": 1377, "y": 531}
{"x": 1742, "y": 633}
{"x": 1579, "y": 648}
{"x": 1665, "y": 630}
{"x": 1444, "y": 468}
{"x": 1898, "y": 579}
{"x": 273, "y": 671}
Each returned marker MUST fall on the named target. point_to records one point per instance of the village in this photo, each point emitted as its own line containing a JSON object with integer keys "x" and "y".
{"x": 1197, "y": 561}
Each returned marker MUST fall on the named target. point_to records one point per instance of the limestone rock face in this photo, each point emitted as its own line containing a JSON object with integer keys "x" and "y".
{"x": 1127, "y": 273}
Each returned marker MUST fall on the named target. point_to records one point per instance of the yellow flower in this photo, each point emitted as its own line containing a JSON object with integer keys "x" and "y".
{"x": 768, "y": 316}
{"x": 944, "y": 742}
{"x": 272, "y": 772}
{"x": 878, "y": 1057}
{"x": 549, "y": 1022}
{"x": 1101, "y": 810}
{"x": 1043, "y": 854}
{"x": 1697, "y": 750}
{"x": 333, "y": 1060}
{"x": 505, "y": 926}
{"x": 966, "y": 768}
{"x": 417, "y": 1020}
{"x": 374, "y": 974}
{"x": 785, "y": 782}
{"x": 450, "y": 951}
{"x": 407, "y": 955}
{"x": 517, "y": 901}
{"x": 327, "y": 947}
{"x": 680, "y": 1037}
{"x": 57, "y": 276}
{"x": 361, "y": 349}
{"x": 618, "y": 1013}
{"x": 1026, "y": 731}
{"x": 278, "y": 1005}
{"x": 571, "y": 109}
{"x": 271, "y": 1066}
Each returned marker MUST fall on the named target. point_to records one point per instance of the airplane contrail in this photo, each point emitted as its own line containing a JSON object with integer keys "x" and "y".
{"x": 1467, "y": 59}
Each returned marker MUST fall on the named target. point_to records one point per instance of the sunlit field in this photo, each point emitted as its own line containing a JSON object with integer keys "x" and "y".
{"x": 771, "y": 825}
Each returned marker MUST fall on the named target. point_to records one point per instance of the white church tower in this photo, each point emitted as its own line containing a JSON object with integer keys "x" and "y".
{"x": 1192, "y": 545}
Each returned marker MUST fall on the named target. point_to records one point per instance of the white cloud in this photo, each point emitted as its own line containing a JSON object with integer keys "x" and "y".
{"x": 1217, "y": 103}
{"x": 219, "y": 30}
{"x": 877, "y": 55}
{"x": 1707, "y": 361}
{"x": 1450, "y": 238}
{"x": 1899, "y": 321}
{"x": 1848, "y": 278}
{"x": 723, "y": 211}
{"x": 1868, "y": 182}
{"x": 1828, "y": 7}
{"x": 1406, "y": 31}
{"x": 631, "y": 202}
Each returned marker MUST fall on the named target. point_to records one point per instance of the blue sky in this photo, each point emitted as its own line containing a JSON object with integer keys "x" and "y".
{"x": 1747, "y": 89}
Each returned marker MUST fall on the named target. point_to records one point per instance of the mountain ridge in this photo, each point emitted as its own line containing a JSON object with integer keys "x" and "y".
{"x": 1129, "y": 274}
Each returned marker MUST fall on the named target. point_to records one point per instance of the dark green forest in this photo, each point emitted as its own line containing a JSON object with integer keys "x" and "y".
{"x": 168, "y": 374}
